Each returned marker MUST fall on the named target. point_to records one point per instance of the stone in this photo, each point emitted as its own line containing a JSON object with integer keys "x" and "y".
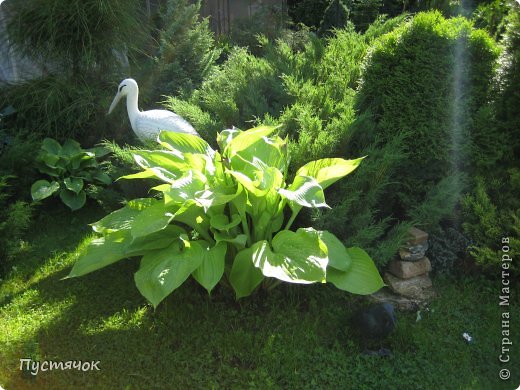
{"x": 409, "y": 269}
{"x": 417, "y": 236}
{"x": 410, "y": 288}
{"x": 414, "y": 252}
{"x": 385, "y": 295}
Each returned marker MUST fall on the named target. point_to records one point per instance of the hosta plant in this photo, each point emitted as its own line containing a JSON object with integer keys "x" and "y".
{"x": 70, "y": 169}
{"x": 227, "y": 214}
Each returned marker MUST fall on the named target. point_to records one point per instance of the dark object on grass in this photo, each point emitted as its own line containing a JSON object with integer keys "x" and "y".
{"x": 375, "y": 321}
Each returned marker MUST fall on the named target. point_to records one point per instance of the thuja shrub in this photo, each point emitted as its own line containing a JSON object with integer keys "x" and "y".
{"x": 425, "y": 82}
{"x": 222, "y": 214}
{"x": 491, "y": 208}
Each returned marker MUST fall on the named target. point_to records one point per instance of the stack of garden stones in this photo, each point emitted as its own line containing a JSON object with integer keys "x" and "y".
{"x": 409, "y": 285}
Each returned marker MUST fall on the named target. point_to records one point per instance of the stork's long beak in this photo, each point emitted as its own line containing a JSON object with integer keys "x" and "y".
{"x": 116, "y": 100}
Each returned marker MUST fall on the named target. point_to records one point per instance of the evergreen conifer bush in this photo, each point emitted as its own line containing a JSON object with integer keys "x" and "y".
{"x": 187, "y": 51}
{"x": 425, "y": 101}
{"x": 491, "y": 209}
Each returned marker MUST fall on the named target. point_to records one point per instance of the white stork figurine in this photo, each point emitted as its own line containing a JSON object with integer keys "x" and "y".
{"x": 148, "y": 124}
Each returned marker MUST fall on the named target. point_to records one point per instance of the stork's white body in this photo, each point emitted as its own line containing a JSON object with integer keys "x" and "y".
{"x": 148, "y": 124}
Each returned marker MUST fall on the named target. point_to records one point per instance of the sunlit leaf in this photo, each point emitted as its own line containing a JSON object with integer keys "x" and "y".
{"x": 361, "y": 278}
{"x": 328, "y": 170}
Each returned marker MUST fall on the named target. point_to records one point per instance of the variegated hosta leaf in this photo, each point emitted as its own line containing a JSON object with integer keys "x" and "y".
{"x": 124, "y": 217}
{"x": 184, "y": 143}
{"x": 328, "y": 170}
{"x": 225, "y": 137}
{"x": 304, "y": 191}
{"x": 296, "y": 257}
{"x": 246, "y": 139}
{"x": 185, "y": 188}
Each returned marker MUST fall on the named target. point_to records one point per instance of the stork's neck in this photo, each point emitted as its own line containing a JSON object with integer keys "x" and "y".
{"x": 131, "y": 106}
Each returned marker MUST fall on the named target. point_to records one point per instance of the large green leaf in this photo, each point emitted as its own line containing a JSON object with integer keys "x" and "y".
{"x": 52, "y": 172}
{"x": 239, "y": 240}
{"x": 361, "y": 278}
{"x": 50, "y": 159}
{"x": 336, "y": 251}
{"x": 221, "y": 221}
{"x": 191, "y": 214}
{"x": 42, "y": 189}
{"x": 102, "y": 177}
{"x": 244, "y": 276}
{"x": 152, "y": 219}
{"x": 297, "y": 257}
{"x": 265, "y": 152}
{"x": 328, "y": 170}
{"x": 184, "y": 143}
{"x": 265, "y": 182}
{"x": 124, "y": 217}
{"x": 226, "y": 136}
{"x": 304, "y": 191}
{"x": 83, "y": 160}
{"x": 211, "y": 269}
{"x": 74, "y": 184}
{"x": 51, "y": 146}
{"x": 156, "y": 172}
{"x": 247, "y": 139}
{"x": 99, "y": 151}
{"x": 170, "y": 161}
{"x": 186, "y": 188}
{"x": 158, "y": 240}
{"x": 101, "y": 252}
{"x": 71, "y": 148}
{"x": 164, "y": 270}
{"x": 72, "y": 200}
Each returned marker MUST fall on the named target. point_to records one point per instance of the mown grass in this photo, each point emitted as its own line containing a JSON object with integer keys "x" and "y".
{"x": 294, "y": 337}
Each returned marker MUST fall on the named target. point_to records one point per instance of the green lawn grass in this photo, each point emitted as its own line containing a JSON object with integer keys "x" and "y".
{"x": 293, "y": 337}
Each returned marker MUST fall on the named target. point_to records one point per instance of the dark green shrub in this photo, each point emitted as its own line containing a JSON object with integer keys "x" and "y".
{"x": 17, "y": 159}
{"x": 491, "y": 16}
{"x": 243, "y": 88}
{"x": 426, "y": 99}
{"x": 308, "y": 12}
{"x": 15, "y": 218}
{"x": 60, "y": 107}
{"x": 487, "y": 224}
{"x": 78, "y": 35}
{"x": 269, "y": 21}
{"x": 186, "y": 52}
{"x": 492, "y": 208}
{"x": 365, "y": 12}
{"x": 336, "y": 16}
{"x": 74, "y": 42}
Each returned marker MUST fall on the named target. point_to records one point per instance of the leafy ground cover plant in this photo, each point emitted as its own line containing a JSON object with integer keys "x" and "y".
{"x": 222, "y": 213}
{"x": 70, "y": 168}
